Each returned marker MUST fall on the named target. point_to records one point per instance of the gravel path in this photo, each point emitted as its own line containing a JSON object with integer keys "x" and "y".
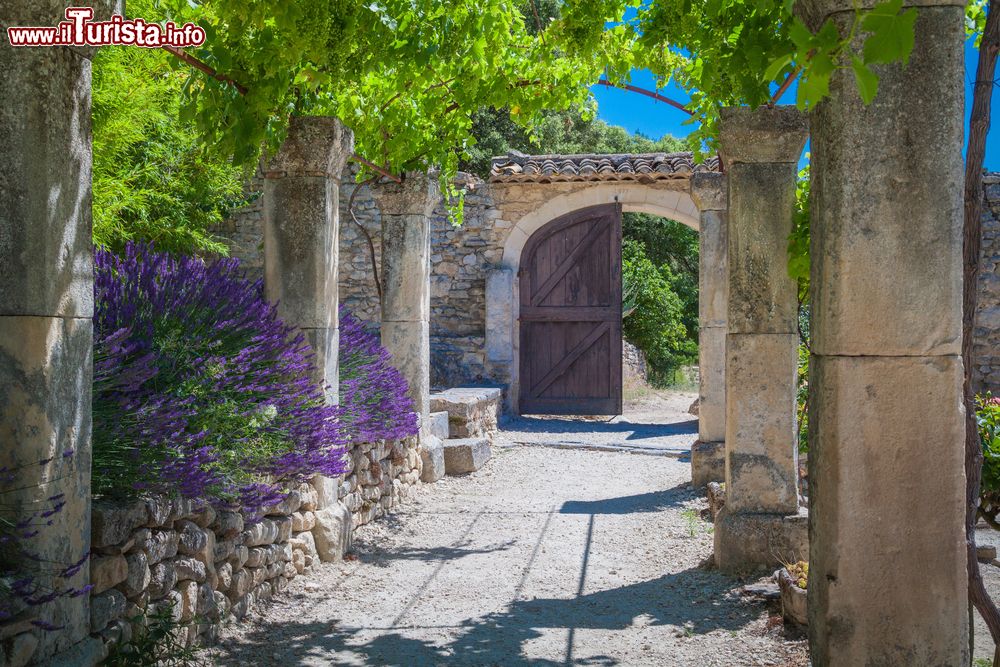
{"x": 548, "y": 556}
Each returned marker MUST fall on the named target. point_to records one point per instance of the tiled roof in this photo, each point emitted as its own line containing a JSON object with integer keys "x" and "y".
{"x": 642, "y": 167}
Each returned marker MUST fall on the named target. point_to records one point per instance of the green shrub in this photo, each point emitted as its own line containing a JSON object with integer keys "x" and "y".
{"x": 653, "y": 320}
{"x": 988, "y": 421}
{"x": 152, "y": 180}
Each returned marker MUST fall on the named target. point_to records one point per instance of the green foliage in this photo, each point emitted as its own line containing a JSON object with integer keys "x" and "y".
{"x": 153, "y": 181}
{"x": 975, "y": 20}
{"x": 557, "y": 132}
{"x": 733, "y": 52}
{"x": 802, "y": 398}
{"x": 674, "y": 246}
{"x": 798, "y": 240}
{"x": 988, "y": 421}
{"x": 404, "y": 75}
{"x": 155, "y": 642}
{"x": 654, "y": 326}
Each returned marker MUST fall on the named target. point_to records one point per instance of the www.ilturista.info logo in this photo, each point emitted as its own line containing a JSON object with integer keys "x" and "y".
{"x": 79, "y": 30}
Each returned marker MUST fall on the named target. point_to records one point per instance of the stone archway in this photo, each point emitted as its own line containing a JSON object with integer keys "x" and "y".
{"x": 674, "y": 203}
{"x": 534, "y": 190}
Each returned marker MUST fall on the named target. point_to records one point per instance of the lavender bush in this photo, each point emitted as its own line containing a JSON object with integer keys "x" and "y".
{"x": 373, "y": 399}
{"x": 199, "y": 388}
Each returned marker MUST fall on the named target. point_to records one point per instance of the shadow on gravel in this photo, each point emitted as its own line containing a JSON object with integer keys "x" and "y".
{"x": 693, "y": 601}
{"x": 384, "y": 557}
{"x": 634, "y": 430}
{"x": 653, "y": 501}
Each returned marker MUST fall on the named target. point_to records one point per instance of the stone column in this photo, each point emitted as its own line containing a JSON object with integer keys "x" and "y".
{"x": 761, "y": 524}
{"x": 406, "y": 210}
{"x": 708, "y": 455}
{"x": 46, "y": 310}
{"x": 301, "y": 226}
{"x": 886, "y": 416}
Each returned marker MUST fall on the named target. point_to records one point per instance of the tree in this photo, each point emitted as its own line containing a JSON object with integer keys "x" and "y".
{"x": 988, "y": 40}
{"x": 557, "y": 132}
{"x": 405, "y": 76}
{"x": 153, "y": 179}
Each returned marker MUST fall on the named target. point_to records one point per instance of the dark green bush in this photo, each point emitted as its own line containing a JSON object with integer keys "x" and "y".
{"x": 653, "y": 320}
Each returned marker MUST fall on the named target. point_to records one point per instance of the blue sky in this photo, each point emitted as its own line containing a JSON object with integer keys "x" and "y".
{"x": 639, "y": 113}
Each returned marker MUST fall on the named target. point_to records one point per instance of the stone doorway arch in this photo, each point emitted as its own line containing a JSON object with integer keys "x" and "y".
{"x": 557, "y": 185}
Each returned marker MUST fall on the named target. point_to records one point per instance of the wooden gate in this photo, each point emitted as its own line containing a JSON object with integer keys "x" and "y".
{"x": 571, "y": 315}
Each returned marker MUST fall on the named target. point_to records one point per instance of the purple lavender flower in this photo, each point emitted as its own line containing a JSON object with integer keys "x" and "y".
{"x": 199, "y": 389}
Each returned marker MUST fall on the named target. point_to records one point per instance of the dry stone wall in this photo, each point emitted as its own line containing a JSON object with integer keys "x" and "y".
{"x": 987, "y": 327}
{"x": 207, "y": 566}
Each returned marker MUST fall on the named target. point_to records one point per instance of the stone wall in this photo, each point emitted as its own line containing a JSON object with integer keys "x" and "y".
{"x": 462, "y": 257}
{"x": 987, "y": 330}
{"x": 209, "y": 566}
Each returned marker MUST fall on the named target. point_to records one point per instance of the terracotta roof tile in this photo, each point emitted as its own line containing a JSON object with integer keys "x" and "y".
{"x": 643, "y": 167}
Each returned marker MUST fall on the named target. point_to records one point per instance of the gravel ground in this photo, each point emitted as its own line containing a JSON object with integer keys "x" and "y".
{"x": 983, "y": 645}
{"x": 547, "y": 556}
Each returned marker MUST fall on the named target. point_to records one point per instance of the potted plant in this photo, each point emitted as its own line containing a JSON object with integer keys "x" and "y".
{"x": 793, "y": 580}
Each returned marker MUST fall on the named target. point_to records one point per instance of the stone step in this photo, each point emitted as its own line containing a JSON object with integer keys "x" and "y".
{"x": 432, "y": 455}
{"x": 438, "y": 424}
{"x": 465, "y": 455}
{"x": 472, "y": 411}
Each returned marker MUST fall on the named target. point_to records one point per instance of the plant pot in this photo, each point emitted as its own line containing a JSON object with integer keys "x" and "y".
{"x": 793, "y": 599}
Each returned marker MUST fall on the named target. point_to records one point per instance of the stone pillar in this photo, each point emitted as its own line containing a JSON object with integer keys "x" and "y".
{"x": 301, "y": 227}
{"x": 761, "y": 524}
{"x": 406, "y": 210}
{"x": 886, "y": 417}
{"x": 708, "y": 455}
{"x": 46, "y": 310}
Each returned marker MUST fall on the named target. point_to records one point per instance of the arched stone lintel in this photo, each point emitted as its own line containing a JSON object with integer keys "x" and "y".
{"x": 672, "y": 203}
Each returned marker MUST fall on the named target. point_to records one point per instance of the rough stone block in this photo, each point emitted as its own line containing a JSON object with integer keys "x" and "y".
{"x": 188, "y": 568}
{"x": 409, "y": 345}
{"x": 138, "y": 574}
{"x": 713, "y": 273}
{"x": 105, "y": 608}
{"x": 159, "y": 545}
{"x": 886, "y": 438}
{"x": 300, "y": 249}
{"x": 762, "y": 296}
{"x": 761, "y": 443}
{"x": 747, "y": 541}
{"x": 762, "y": 135}
{"x": 326, "y": 490}
{"x": 162, "y": 579}
{"x": 20, "y": 650}
{"x": 333, "y": 532}
{"x": 709, "y": 191}
{"x": 708, "y": 463}
{"x": 466, "y": 455}
{"x": 406, "y": 249}
{"x": 887, "y": 251}
{"x": 437, "y": 424}
{"x": 716, "y": 492}
{"x": 107, "y": 572}
{"x": 472, "y": 411}
{"x": 113, "y": 523}
{"x": 712, "y": 384}
{"x": 314, "y": 146}
{"x": 46, "y": 263}
{"x": 432, "y": 456}
{"x": 500, "y": 315}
